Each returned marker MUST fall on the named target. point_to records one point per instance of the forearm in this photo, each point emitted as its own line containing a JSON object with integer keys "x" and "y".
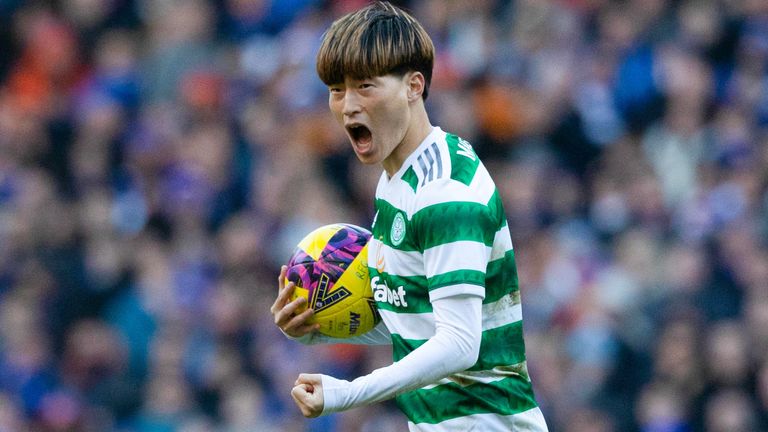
{"x": 378, "y": 335}
{"x": 454, "y": 348}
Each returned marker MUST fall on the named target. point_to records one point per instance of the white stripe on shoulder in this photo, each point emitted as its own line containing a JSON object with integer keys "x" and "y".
{"x": 482, "y": 181}
{"x": 447, "y": 190}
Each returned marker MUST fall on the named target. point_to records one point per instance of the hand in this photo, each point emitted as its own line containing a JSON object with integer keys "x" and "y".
{"x": 284, "y": 310}
{"x": 308, "y": 394}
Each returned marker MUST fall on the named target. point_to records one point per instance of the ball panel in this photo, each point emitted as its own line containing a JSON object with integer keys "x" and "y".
{"x": 301, "y": 273}
{"x": 355, "y": 318}
{"x": 315, "y": 242}
{"x": 344, "y": 245}
{"x": 356, "y": 276}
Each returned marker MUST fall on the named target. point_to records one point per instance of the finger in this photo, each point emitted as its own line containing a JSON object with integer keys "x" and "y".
{"x": 288, "y": 311}
{"x": 279, "y": 311}
{"x": 299, "y": 395}
{"x": 302, "y": 380}
{"x": 283, "y": 297}
{"x": 304, "y": 401}
{"x": 296, "y": 395}
{"x": 281, "y": 288}
{"x": 309, "y": 379}
{"x": 281, "y": 278}
{"x": 298, "y": 320}
{"x": 297, "y": 391}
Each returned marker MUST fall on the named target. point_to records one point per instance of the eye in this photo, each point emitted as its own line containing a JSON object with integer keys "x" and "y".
{"x": 336, "y": 93}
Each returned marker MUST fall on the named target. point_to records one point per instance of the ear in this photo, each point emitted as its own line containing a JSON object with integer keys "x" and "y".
{"x": 415, "y": 82}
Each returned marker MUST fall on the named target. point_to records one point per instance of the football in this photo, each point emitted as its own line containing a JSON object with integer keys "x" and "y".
{"x": 330, "y": 269}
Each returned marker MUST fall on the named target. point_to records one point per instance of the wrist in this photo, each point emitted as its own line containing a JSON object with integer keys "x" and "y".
{"x": 304, "y": 339}
{"x": 335, "y": 393}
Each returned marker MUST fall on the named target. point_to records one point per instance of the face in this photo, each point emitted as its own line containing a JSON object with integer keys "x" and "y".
{"x": 376, "y": 114}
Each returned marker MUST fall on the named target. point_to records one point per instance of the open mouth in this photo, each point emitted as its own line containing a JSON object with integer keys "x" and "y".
{"x": 360, "y": 135}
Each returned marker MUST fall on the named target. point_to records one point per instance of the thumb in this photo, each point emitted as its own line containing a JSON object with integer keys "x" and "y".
{"x": 299, "y": 391}
{"x": 311, "y": 379}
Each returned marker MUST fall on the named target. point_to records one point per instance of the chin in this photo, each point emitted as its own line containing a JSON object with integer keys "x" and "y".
{"x": 367, "y": 159}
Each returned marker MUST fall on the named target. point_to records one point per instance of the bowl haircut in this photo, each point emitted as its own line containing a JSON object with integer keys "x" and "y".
{"x": 380, "y": 39}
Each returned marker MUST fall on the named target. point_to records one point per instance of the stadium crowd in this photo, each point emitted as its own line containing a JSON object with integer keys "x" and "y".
{"x": 159, "y": 159}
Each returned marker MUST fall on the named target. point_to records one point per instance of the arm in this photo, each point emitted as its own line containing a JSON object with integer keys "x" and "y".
{"x": 454, "y": 348}
{"x": 455, "y": 268}
{"x": 378, "y": 335}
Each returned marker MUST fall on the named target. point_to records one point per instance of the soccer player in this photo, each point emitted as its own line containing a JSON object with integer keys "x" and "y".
{"x": 441, "y": 260}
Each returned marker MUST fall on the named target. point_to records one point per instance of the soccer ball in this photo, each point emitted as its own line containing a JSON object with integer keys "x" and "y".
{"x": 330, "y": 269}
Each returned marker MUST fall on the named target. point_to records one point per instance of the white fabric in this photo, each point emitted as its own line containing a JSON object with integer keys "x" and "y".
{"x": 480, "y": 190}
{"x": 422, "y": 325}
{"x": 378, "y": 335}
{"x": 458, "y": 255}
{"x": 502, "y": 242}
{"x": 407, "y": 263}
{"x": 409, "y": 326}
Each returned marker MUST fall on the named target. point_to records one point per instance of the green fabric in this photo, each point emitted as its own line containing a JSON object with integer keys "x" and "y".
{"x": 507, "y": 396}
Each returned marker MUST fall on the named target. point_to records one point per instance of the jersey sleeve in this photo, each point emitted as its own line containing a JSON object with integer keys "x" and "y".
{"x": 455, "y": 233}
{"x": 455, "y": 347}
{"x": 378, "y": 335}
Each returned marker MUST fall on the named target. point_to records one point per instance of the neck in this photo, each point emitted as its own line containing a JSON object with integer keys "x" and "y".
{"x": 418, "y": 130}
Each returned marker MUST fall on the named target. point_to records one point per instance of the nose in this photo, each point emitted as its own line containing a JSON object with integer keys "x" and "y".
{"x": 351, "y": 103}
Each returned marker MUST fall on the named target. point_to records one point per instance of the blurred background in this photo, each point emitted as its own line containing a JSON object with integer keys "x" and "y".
{"x": 159, "y": 159}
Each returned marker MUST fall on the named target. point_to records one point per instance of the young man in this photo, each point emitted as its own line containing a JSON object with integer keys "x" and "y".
{"x": 440, "y": 249}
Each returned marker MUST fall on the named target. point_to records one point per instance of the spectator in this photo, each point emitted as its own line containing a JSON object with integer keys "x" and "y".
{"x": 159, "y": 161}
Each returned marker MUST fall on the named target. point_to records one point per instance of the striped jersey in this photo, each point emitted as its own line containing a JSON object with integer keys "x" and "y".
{"x": 439, "y": 231}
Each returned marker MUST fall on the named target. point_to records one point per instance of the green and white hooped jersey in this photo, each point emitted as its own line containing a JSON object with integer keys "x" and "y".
{"x": 440, "y": 230}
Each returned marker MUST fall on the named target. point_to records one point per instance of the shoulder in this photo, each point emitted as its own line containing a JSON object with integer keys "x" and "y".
{"x": 443, "y": 156}
{"x": 449, "y": 171}
{"x": 464, "y": 160}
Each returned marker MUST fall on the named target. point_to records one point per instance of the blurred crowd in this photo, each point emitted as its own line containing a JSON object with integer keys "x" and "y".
{"x": 159, "y": 160}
